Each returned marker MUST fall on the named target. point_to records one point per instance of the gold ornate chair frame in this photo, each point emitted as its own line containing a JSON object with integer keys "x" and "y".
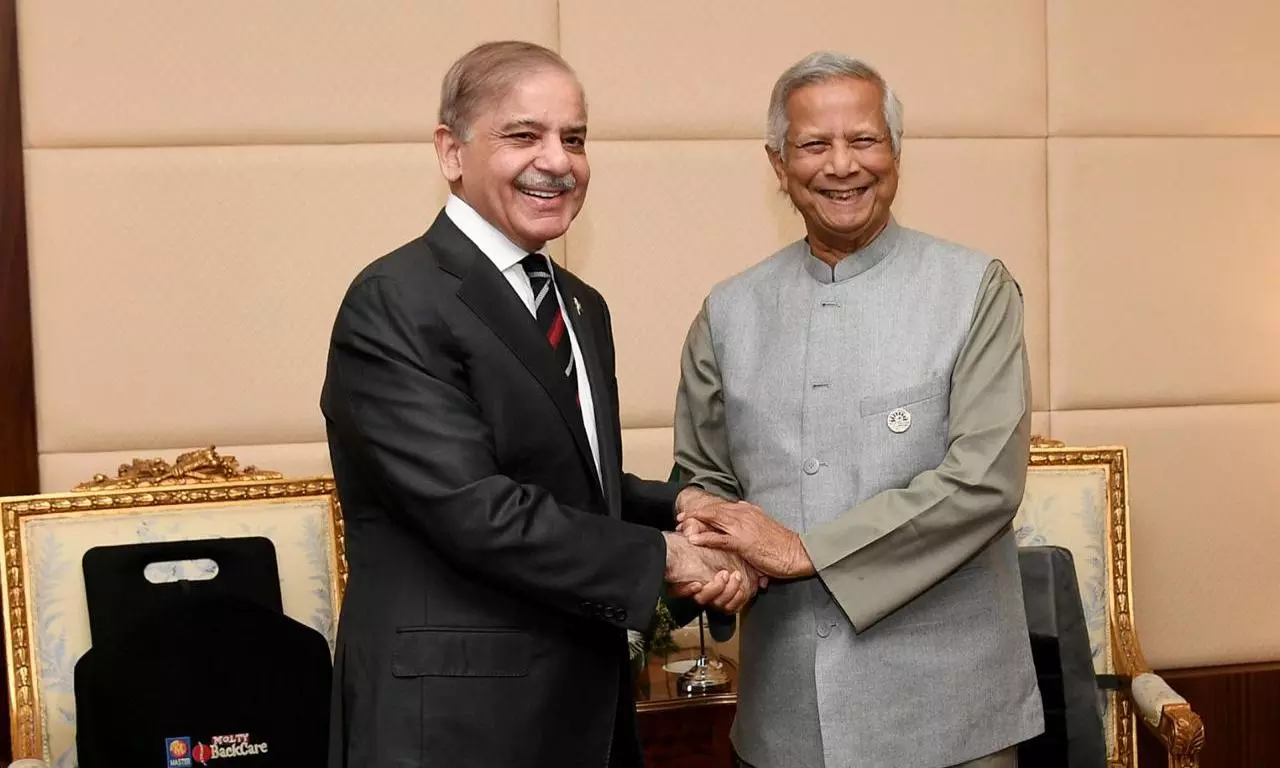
{"x": 303, "y": 519}
{"x": 1144, "y": 696}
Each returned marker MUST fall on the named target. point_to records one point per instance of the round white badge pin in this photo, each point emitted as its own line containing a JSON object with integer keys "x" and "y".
{"x": 899, "y": 420}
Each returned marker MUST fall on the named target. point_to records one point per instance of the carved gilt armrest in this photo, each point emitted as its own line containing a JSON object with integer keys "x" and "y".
{"x": 1170, "y": 718}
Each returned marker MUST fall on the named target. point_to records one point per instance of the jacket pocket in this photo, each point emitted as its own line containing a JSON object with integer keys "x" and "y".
{"x": 926, "y": 390}
{"x": 437, "y": 652}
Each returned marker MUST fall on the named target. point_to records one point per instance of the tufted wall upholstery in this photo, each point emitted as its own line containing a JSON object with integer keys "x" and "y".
{"x": 204, "y": 178}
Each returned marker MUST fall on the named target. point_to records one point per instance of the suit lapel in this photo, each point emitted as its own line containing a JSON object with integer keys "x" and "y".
{"x": 587, "y": 326}
{"x": 487, "y": 293}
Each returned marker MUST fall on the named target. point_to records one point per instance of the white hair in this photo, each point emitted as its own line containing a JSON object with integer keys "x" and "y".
{"x": 820, "y": 67}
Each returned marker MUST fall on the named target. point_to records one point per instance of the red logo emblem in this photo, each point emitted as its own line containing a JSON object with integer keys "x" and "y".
{"x": 177, "y": 749}
{"x": 201, "y": 753}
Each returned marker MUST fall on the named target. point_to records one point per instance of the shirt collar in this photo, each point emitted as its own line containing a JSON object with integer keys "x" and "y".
{"x": 859, "y": 261}
{"x": 489, "y": 239}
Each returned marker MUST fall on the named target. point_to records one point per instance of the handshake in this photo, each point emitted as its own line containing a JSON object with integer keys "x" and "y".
{"x": 723, "y": 552}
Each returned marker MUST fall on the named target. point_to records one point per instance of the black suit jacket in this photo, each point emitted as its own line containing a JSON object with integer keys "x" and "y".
{"x": 492, "y": 575}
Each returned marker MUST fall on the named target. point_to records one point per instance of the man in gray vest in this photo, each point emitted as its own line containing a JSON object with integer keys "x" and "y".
{"x": 861, "y": 397}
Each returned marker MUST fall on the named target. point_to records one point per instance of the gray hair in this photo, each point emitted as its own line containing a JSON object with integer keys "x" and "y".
{"x": 484, "y": 74}
{"x": 820, "y": 67}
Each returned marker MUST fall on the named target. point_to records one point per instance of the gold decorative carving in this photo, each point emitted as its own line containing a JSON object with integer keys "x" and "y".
{"x": 340, "y": 542}
{"x": 1040, "y": 441}
{"x": 25, "y": 726}
{"x": 1182, "y": 732}
{"x": 1126, "y": 746}
{"x": 204, "y": 465}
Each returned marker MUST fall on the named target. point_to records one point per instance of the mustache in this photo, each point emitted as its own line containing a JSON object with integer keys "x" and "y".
{"x": 546, "y": 181}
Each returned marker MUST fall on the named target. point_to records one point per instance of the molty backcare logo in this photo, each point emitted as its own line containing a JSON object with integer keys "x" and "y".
{"x": 178, "y": 752}
{"x": 231, "y": 745}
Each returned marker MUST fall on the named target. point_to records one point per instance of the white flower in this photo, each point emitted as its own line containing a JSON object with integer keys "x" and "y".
{"x": 635, "y": 644}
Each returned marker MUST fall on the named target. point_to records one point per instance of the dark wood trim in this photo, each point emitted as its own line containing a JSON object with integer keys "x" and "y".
{"x": 19, "y": 470}
{"x": 18, "y": 463}
{"x": 1181, "y": 673}
{"x": 1240, "y": 706}
{"x": 695, "y": 737}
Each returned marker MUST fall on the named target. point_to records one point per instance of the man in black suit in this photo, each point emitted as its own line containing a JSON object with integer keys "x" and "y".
{"x": 497, "y": 551}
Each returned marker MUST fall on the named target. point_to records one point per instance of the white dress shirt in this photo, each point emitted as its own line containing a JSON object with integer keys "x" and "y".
{"x": 506, "y": 256}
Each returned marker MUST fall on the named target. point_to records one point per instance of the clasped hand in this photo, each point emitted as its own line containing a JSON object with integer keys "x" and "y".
{"x": 711, "y": 577}
{"x": 744, "y": 530}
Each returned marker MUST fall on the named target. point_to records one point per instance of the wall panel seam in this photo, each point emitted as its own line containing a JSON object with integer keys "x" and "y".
{"x": 1172, "y": 407}
{"x": 265, "y": 145}
{"x": 302, "y": 141}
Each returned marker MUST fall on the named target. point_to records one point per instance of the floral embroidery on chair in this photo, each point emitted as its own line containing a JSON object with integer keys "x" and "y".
{"x": 1066, "y": 507}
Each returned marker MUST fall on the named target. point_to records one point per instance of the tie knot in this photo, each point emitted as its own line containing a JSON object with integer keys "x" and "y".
{"x": 535, "y": 262}
{"x": 535, "y": 266}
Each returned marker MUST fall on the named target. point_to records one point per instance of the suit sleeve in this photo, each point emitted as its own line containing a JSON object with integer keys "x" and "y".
{"x": 398, "y": 398}
{"x": 701, "y": 437}
{"x": 887, "y": 550}
{"x": 651, "y": 503}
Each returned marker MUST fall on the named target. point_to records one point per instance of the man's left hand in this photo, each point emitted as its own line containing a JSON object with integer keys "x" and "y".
{"x": 744, "y": 529}
{"x": 692, "y": 498}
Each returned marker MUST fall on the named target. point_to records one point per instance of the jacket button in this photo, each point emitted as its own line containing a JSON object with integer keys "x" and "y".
{"x": 621, "y": 614}
{"x": 608, "y": 612}
{"x": 810, "y": 467}
{"x": 824, "y": 629}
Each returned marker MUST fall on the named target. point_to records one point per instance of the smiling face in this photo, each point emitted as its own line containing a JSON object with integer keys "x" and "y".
{"x": 838, "y": 165}
{"x": 523, "y": 167}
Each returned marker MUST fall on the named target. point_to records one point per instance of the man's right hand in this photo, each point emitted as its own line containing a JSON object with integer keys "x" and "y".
{"x": 690, "y": 501}
{"x": 715, "y": 578}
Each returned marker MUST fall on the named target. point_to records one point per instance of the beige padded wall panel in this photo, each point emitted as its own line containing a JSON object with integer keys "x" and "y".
{"x": 1041, "y": 424}
{"x": 1157, "y": 67}
{"x": 647, "y": 452}
{"x": 185, "y": 296}
{"x": 665, "y": 221}
{"x": 988, "y": 194}
{"x": 61, "y": 471}
{"x": 678, "y": 69}
{"x": 150, "y": 72}
{"x": 1163, "y": 271}
{"x": 1203, "y": 487}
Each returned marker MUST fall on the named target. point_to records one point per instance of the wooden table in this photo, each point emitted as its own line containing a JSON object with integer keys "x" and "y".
{"x": 685, "y": 731}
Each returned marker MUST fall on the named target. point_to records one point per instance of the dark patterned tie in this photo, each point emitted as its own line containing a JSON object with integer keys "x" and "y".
{"x": 546, "y": 309}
